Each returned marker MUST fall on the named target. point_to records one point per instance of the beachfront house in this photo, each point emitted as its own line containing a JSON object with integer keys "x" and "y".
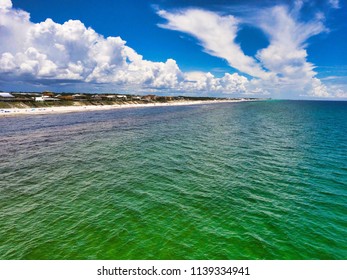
{"x": 122, "y": 96}
{"x": 40, "y": 98}
{"x": 79, "y": 97}
{"x": 96, "y": 97}
{"x": 30, "y": 94}
{"x": 46, "y": 96}
{"x": 111, "y": 96}
{"x": 6, "y": 96}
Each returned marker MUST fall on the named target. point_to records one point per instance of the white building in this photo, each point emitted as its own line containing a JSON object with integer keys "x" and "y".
{"x": 122, "y": 96}
{"x": 45, "y": 98}
{"x": 6, "y": 95}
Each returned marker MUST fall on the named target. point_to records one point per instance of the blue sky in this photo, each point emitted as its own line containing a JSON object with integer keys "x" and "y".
{"x": 279, "y": 49}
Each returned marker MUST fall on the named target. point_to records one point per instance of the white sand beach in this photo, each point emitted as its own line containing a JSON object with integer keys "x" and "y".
{"x": 6, "y": 112}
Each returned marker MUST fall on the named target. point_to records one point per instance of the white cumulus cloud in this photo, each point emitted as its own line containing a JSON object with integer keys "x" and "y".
{"x": 73, "y": 52}
{"x": 207, "y": 82}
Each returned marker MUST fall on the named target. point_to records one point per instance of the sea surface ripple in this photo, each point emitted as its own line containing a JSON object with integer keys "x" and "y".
{"x": 253, "y": 180}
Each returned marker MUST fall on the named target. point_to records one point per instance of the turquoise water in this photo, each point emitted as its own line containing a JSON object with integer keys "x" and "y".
{"x": 255, "y": 180}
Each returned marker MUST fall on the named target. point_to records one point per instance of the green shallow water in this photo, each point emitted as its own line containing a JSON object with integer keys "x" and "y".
{"x": 261, "y": 180}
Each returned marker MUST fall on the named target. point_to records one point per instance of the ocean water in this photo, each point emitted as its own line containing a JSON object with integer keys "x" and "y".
{"x": 253, "y": 180}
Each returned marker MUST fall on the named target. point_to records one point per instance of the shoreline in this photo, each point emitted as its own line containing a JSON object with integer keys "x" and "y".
{"x": 11, "y": 112}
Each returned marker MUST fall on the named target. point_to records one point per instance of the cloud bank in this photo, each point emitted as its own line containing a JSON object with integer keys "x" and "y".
{"x": 70, "y": 52}
{"x": 52, "y": 53}
{"x": 48, "y": 53}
